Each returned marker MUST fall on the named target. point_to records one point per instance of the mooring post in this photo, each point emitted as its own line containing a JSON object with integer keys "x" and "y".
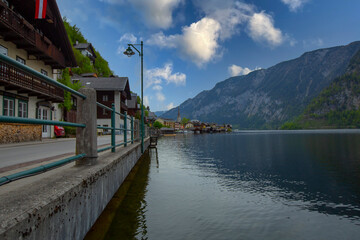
{"x": 113, "y": 127}
{"x": 125, "y": 129}
{"x": 86, "y": 138}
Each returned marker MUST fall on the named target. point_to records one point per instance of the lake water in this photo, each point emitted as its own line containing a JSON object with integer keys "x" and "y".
{"x": 247, "y": 185}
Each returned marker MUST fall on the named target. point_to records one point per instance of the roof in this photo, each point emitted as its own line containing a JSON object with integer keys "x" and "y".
{"x": 167, "y": 119}
{"x": 106, "y": 84}
{"x": 132, "y": 103}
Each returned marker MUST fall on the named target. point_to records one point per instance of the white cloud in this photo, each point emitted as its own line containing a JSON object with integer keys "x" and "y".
{"x": 157, "y": 88}
{"x": 146, "y": 101}
{"x": 198, "y": 42}
{"x": 113, "y": 1}
{"x": 160, "y": 97}
{"x": 170, "y": 106}
{"x": 201, "y": 41}
{"x": 235, "y": 70}
{"x": 316, "y": 42}
{"x": 261, "y": 29}
{"x": 157, "y": 13}
{"x": 128, "y": 38}
{"x": 156, "y": 76}
{"x": 159, "y": 39}
{"x": 294, "y": 5}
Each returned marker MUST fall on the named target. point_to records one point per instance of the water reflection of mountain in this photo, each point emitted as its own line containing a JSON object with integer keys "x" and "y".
{"x": 320, "y": 172}
{"x": 129, "y": 221}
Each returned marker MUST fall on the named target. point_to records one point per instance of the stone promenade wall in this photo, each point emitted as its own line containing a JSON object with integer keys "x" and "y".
{"x": 64, "y": 203}
{"x": 15, "y": 132}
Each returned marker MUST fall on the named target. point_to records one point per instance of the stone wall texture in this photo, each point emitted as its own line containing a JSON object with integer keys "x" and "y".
{"x": 64, "y": 203}
{"x": 14, "y": 133}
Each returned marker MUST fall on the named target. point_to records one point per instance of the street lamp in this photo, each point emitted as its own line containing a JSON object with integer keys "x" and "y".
{"x": 129, "y": 52}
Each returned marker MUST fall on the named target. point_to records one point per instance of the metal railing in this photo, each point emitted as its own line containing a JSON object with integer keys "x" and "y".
{"x": 79, "y": 156}
{"x": 113, "y": 128}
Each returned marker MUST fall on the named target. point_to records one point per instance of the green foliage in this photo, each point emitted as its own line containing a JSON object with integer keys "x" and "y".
{"x": 332, "y": 108}
{"x": 158, "y": 124}
{"x": 70, "y": 131}
{"x": 290, "y": 126}
{"x": 65, "y": 79}
{"x": 100, "y": 67}
{"x": 83, "y": 62}
{"x": 184, "y": 121}
{"x": 146, "y": 113}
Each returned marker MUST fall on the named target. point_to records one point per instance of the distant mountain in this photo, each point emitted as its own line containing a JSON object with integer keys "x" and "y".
{"x": 269, "y": 97}
{"x": 337, "y": 106}
{"x": 159, "y": 113}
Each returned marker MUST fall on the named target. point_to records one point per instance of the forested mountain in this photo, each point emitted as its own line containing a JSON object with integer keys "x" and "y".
{"x": 269, "y": 97}
{"x": 337, "y": 106}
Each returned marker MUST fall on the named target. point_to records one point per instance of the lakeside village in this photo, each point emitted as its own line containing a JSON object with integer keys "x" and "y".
{"x": 169, "y": 127}
{"x": 62, "y": 54}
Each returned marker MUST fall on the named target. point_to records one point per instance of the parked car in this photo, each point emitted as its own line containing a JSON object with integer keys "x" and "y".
{"x": 59, "y": 131}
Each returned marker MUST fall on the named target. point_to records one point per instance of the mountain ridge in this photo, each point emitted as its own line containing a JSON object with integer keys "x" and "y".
{"x": 267, "y": 98}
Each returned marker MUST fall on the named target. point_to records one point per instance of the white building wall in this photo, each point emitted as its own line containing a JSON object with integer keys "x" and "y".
{"x": 31, "y": 61}
{"x": 37, "y": 65}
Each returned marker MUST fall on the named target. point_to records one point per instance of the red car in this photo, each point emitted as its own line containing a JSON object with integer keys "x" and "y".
{"x": 59, "y": 131}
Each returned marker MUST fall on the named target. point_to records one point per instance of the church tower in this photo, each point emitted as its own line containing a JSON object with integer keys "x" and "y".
{"x": 178, "y": 117}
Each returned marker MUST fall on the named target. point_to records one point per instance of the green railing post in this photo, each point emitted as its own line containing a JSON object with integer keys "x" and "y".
{"x": 125, "y": 127}
{"x": 113, "y": 127}
{"x": 132, "y": 130}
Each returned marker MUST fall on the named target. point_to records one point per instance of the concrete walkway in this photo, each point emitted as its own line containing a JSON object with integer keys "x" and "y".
{"x": 17, "y": 155}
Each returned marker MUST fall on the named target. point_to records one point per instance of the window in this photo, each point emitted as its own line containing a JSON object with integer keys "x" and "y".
{"x": 20, "y": 60}
{"x": 9, "y": 107}
{"x": 44, "y": 72}
{"x": 3, "y": 50}
{"x": 23, "y": 109}
{"x": 105, "y": 98}
{"x": 104, "y": 111}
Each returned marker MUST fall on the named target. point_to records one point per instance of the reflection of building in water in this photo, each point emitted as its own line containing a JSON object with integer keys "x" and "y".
{"x": 152, "y": 152}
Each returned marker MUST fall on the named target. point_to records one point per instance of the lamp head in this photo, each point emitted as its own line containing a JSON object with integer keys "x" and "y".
{"x": 129, "y": 52}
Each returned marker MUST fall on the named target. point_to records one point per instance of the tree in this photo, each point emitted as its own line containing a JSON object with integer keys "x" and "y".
{"x": 184, "y": 121}
{"x": 158, "y": 125}
{"x": 65, "y": 79}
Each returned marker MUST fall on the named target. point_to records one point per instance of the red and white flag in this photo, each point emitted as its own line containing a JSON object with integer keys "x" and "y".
{"x": 40, "y": 10}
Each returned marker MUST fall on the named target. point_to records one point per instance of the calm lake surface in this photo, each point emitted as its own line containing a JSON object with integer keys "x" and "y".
{"x": 247, "y": 185}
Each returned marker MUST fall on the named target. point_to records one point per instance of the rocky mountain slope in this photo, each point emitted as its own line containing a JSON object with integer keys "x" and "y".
{"x": 337, "y": 106}
{"x": 269, "y": 97}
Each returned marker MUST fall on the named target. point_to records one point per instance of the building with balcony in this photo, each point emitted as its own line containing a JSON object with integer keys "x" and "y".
{"x": 109, "y": 90}
{"x": 42, "y": 45}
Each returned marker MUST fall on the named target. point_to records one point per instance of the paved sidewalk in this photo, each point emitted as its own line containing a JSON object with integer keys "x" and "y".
{"x": 16, "y": 155}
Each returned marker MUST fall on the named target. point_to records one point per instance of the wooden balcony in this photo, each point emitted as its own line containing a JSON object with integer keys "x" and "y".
{"x": 14, "y": 28}
{"x": 13, "y": 78}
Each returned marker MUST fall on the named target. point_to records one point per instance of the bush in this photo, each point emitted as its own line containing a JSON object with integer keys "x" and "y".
{"x": 70, "y": 131}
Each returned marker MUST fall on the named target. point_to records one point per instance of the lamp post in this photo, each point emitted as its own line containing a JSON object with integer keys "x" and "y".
{"x": 129, "y": 52}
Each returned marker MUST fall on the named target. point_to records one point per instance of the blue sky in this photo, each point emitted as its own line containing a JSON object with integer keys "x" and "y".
{"x": 190, "y": 45}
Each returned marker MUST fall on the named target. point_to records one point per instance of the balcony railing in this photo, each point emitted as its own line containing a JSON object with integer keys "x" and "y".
{"x": 14, "y": 78}
{"x": 15, "y": 28}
